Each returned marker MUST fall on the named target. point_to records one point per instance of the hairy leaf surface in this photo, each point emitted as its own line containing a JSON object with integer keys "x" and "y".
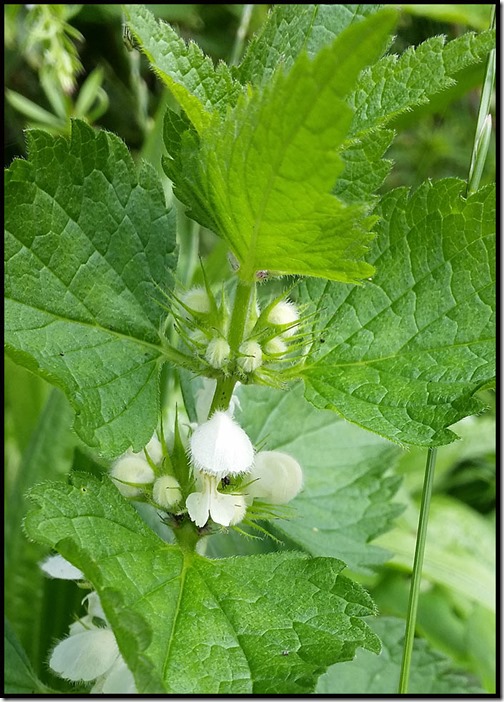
{"x": 262, "y": 177}
{"x": 347, "y": 492}
{"x": 404, "y": 354}
{"x": 394, "y": 85}
{"x": 88, "y": 238}
{"x": 291, "y": 29}
{"x": 198, "y": 87}
{"x": 185, "y": 624}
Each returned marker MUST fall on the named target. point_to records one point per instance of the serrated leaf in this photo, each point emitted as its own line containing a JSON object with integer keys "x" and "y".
{"x": 262, "y": 177}
{"x": 88, "y": 238}
{"x": 186, "y": 624}
{"x": 431, "y": 672}
{"x": 365, "y": 168}
{"x": 198, "y": 87}
{"x": 394, "y": 85}
{"x": 346, "y": 499}
{"x": 20, "y": 678}
{"x": 404, "y": 354}
{"x": 291, "y": 29}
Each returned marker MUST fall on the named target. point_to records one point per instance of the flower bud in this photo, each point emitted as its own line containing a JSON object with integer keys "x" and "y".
{"x": 283, "y": 313}
{"x": 276, "y": 346}
{"x": 220, "y": 447}
{"x": 277, "y": 477}
{"x": 252, "y": 356}
{"x": 131, "y": 469}
{"x": 197, "y": 300}
{"x": 217, "y": 353}
{"x": 166, "y": 491}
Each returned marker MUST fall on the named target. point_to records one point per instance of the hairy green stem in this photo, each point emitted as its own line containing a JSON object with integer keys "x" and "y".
{"x": 223, "y": 394}
{"x": 416, "y": 577}
{"x": 225, "y": 385}
{"x": 243, "y": 298}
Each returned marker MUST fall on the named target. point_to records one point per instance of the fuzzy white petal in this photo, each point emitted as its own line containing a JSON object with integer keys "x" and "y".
{"x": 226, "y": 509}
{"x": 221, "y": 447}
{"x": 285, "y": 312}
{"x": 198, "y": 506}
{"x": 252, "y": 356}
{"x": 119, "y": 680}
{"x": 277, "y": 477}
{"x": 94, "y": 607}
{"x": 217, "y": 352}
{"x": 85, "y": 656}
{"x": 59, "y": 567}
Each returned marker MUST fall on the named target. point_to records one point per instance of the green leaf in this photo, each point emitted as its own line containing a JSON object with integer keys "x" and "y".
{"x": 431, "y": 672}
{"x": 365, "y": 168}
{"x": 394, "y": 85}
{"x": 198, "y": 87}
{"x": 291, "y": 29}
{"x": 48, "y": 455}
{"x": 88, "y": 238}
{"x": 403, "y": 355}
{"x": 262, "y": 177}
{"x": 186, "y": 624}
{"x": 19, "y": 676}
{"x": 346, "y": 498}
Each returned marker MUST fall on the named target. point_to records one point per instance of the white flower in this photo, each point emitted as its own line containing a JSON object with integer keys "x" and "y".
{"x": 90, "y": 652}
{"x": 166, "y": 491}
{"x": 283, "y": 313}
{"x": 218, "y": 352}
{"x": 220, "y": 447}
{"x": 277, "y": 477}
{"x": 131, "y": 468}
{"x": 58, "y": 567}
{"x": 226, "y": 509}
{"x": 251, "y": 358}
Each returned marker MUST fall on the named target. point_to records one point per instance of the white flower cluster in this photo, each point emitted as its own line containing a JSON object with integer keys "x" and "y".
{"x": 219, "y": 451}
{"x": 267, "y": 334}
{"x": 219, "y": 448}
{"x": 90, "y": 651}
{"x": 134, "y": 476}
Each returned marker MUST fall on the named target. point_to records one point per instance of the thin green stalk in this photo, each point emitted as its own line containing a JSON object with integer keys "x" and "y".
{"x": 417, "y": 570}
{"x": 241, "y": 35}
{"x": 484, "y": 124}
{"x": 225, "y": 385}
